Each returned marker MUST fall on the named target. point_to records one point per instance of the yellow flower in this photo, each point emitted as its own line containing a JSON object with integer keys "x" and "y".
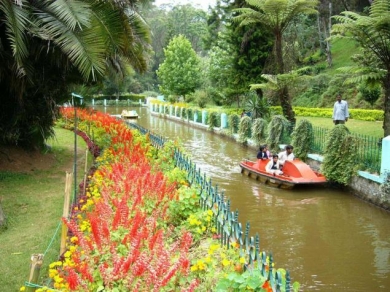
{"x": 207, "y": 260}
{"x": 225, "y": 262}
{"x": 74, "y": 239}
{"x": 22, "y": 288}
{"x": 209, "y": 212}
{"x": 201, "y": 265}
{"x": 194, "y": 268}
{"x": 242, "y": 260}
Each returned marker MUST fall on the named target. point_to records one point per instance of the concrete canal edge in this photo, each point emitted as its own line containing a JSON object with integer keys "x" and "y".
{"x": 365, "y": 186}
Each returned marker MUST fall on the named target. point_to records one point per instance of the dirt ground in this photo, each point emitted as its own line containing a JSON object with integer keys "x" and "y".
{"x": 16, "y": 159}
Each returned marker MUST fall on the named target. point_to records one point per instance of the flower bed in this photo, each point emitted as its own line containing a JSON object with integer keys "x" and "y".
{"x": 140, "y": 226}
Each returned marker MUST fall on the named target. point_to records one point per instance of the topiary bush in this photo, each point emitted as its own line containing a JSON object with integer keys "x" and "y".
{"x": 278, "y": 130}
{"x": 340, "y": 162}
{"x": 302, "y": 139}
{"x": 233, "y": 121}
{"x": 212, "y": 120}
{"x": 259, "y": 131}
{"x": 244, "y": 129}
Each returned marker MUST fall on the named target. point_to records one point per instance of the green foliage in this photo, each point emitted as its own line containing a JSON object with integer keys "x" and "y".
{"x": 121, "y": 96}
{"x": 233, "y": 121}
{"x": 244, "y": 129}
{"x": 250, "y": 280}
{"x": 200, "y": 98}
{"x": 340, "y": 155}
{"x": 259, "y": 131}
{"x": 190, "y": 114}
{"x": 87, "y": 39}
{"x": 372, "y": 33}
{"x": 369, "y": 94}
{"x": 302, "y": 138}
{"x": 278, "y": 130}
{"x": 181, "y": 209}
{"x": 357, "y": 114}
{"x": 212, "y": 120}
{"x": 257, "y": 106}
{"x": 179, "y": 74}
{"x": 238, "y": 56}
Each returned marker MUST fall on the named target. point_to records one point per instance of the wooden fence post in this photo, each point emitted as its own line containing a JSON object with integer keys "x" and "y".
{"x": 35, "y": 267}
{"x": 65, "y": 212}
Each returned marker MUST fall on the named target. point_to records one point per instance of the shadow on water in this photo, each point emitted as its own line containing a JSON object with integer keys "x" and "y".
{"x": 327, "y": 238}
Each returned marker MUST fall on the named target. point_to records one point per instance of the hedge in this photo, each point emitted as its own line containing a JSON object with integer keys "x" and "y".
{"x": 129, "y": 96}
{"x": 357, "y": 114}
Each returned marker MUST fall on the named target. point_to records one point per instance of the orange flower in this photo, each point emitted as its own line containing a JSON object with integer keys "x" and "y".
{"x": 267, "y": 286}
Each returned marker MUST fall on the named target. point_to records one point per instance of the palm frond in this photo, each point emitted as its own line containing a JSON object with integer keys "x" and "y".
{"x": 16, "y": 21}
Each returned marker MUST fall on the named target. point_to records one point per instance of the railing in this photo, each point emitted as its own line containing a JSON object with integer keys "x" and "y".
{"x": 157, "y": 141}
{"x": 369, "y": 148}
{"x": 226, "y": 221}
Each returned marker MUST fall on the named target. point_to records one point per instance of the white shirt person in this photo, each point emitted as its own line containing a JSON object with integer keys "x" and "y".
{"x": 340, "y": 111}
{"x": 273, "y": 166}
{"x": 286, "y": 155}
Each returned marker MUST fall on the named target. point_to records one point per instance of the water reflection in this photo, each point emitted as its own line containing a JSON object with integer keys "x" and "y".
{"x": 329, "y": 240}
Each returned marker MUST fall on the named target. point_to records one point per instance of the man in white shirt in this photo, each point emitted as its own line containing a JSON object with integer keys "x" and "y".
{"x": 340, "y": 111}
{"x": 286, "y": 155}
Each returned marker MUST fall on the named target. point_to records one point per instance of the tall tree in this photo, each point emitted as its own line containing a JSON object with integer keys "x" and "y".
{"x": 276, "y": 16}
{"x": 179, "y": 74}
{"x": 238, "y": 53}
{"x": 372, "y": 33}
{"x": 45, "y": 46}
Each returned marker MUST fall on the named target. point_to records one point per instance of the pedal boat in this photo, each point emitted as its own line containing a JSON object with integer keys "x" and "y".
{"x": 295, "y": 172}
{"x": 132, "y": 114}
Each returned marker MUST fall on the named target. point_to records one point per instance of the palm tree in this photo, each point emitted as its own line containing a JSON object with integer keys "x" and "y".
{"x": 372, "y": 33}
{"x": 276, "y": 15}
{"x": 45, "y": 46}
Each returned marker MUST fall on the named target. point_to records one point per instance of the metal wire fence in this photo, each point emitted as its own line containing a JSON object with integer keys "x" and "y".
{"x": 369, "y": 149}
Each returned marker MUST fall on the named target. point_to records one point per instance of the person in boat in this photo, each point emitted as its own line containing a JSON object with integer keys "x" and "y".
{"x": 262, "y": 154}
{"x": 273, "y": 166}
{"x": 287, "y": 154}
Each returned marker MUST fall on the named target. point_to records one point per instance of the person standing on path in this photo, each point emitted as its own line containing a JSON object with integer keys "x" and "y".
{"x": 340, "y": 111}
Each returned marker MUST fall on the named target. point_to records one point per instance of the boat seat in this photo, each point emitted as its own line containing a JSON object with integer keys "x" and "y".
{"x": 261, "y": 164}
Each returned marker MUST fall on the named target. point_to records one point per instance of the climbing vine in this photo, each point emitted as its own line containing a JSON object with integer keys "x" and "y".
{"x": 244, "y": 129}
{"x": 278, "y": 130}
{"x": 340, "y": 162}
{"x": 302, "y": 138}
{"x": 259, "y": 131}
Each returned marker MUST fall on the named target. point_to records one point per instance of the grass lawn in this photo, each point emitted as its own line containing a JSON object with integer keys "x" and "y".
{"x": 373, "y": 129}
{"x": 32, "y": 199}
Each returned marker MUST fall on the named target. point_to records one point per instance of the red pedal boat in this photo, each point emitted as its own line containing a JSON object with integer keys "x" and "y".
{"x": 295, "y": 172}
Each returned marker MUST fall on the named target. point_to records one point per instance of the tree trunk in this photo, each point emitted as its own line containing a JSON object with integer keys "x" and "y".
{"x": 386, "y": 120}
{"x": 279, "y": 53}
{"x": 286, "y": 106}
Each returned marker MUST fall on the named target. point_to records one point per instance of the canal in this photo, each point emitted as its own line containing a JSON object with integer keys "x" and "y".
{"x": 329, "y": 240}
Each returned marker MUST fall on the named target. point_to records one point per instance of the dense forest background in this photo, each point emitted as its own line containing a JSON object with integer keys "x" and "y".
{"x": 238, "y": 54}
